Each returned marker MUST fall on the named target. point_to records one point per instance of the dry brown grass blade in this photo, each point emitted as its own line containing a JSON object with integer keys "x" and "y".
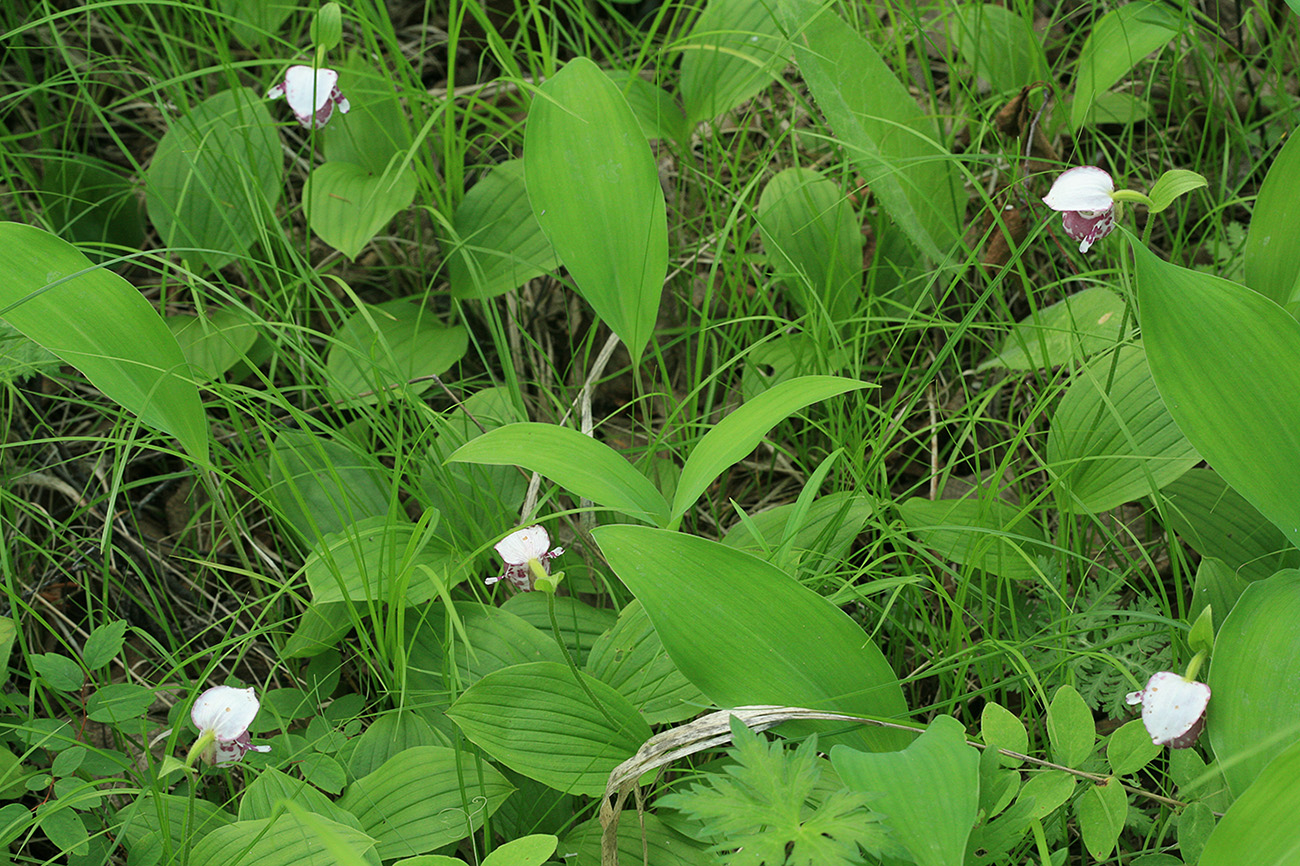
{"x": 706, "y": 732}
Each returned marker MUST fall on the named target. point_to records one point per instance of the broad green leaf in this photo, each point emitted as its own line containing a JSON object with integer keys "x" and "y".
{"x": 639, "y": 835}
{"x": 631, "y": 658}
{"x": 984, "y": 533}
{"x": 813, "y": 242}
{"x": 823, "y": 533}
{"x": 99, "y": 323}
{"x": 1118, "y": 107}
{"x": 733, "y": 51}
{"x": 531, "y": 850}
{"x": 1130, "y": 749}
{"x": 104, "y": 643}
{"x": 1218, "y": 522}
{"x": 1048, "y": 791}
{"x": 998, "y": 787}
{"x": 117, "y": 703}
{"x": 320, "y": 628}
{"x": 1262, "y": 820}
{"x": 580, "y": 623}
{"x": 213, "y": 344}
{"x": 594, "y": 188}
{"x": 739, "y": 433}
{"x": 1117, "y": 43}
{"x": 322, "y": 486}
{"x": 389, "y": 736}
{"x": 379, "y": 560}
{"x": 655, "y": 109}
{"x": 930, "y": 790}
{"x": 1001, "y": 729}
{"x": 1272, "y": 266}
{"x": 1255, "y": 676}
{"x": 347, "y": 205}
{"x": 1194, "y": 828}
{"x": 63, "y": 827}
{"x": 58, "y": 671}
{"x": 263, "y": 796}
{"x": 285, "y": 840}
{"x": 377, "y": 128}
{"x": 1217, "y": 587}
{"x": 578, "y": 463}
{"x": 325, "y": 833}
{"x": 1101, "y": 811}
{"x": 783, "y": 356}
{"x": 894, "y": 145}
{"x": 1112, "y": 446}
{"x": 1173, "y": 183}
{"x": 539, "y": 721}
{"x": 155, "y": 823}
{"x": 1000, "y": 46}
{"x": 498, "y": 244}
{"x": 1241, "y": 409}
{"x": 253, "y": 21}
{"x": 744, "y": 632}
{"x": 470, "y": 496}
{"x": 425, "y": 798}
{"x": 1080, "y": 325}
{"x": 385, "y": 347}
{"x": 1070, "y": 727}
{"x": 89, "y": 202}
{"x": 216, "y": 176}
{"x": 488, "y": 639}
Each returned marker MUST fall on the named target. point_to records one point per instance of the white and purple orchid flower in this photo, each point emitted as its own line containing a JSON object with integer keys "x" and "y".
{"x": 222, "y": 714}
{"x": 520, "y": 550}
{"x": 313, "y": 94}
{"x": 1173, "y": 709}
{"x": 1085, "y": 198}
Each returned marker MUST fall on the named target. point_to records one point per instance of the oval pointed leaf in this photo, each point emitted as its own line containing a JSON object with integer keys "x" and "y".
{"x": 1262, "y": 820}
{"x": 1110, "y": 447}
{"x": 930, "y": 790}
{"x": 285, "y": 840}
{"x": 739, "y": 433}
{"x": 216, "y": 174}
{"x": 389, "y": 346}
{"x": 1070, "y": 329}
{"x": 594, "y": 188}
{"x": 1102, "y": 810}
{"x": 1272, "y": 266}
{"x": 631, "y": 658}
{"x": 499, "y": 244}
{"x": 1118, "y": 42}
{"x": 1070, "y": 727}
{"x": 577, "y": 463}
{"x": 99, "y": 323}
{"x": 1218, "y": 522}
{"x": 537, "y": 720}
{"x": 812, "y": 240}
{"x": 893, "y": 144}
{"x": 1255, "y": 678}
{"x": 215, "y": 343}
{"x": 1241, "y": 409}
{"x": 347, "y": 205}
{"x": 744, "y": 632}
{"x": 417, "y": 801}
{"x": 733, "y": 51}
{"x": 983, "y": 533}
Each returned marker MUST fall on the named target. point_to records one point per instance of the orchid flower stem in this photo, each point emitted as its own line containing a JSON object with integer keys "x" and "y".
{"x": 1194, "y": 666}
{"x": 568, "y": 657}
{"x": 201, "y": 745}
